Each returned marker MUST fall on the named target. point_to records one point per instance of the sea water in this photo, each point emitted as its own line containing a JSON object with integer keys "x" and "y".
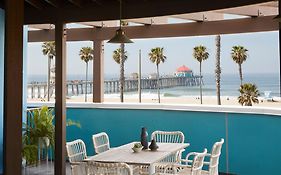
{"x": 230, "y": 84}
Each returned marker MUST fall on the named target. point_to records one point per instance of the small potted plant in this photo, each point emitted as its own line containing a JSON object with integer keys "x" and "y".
{"x": 137, "y": 147}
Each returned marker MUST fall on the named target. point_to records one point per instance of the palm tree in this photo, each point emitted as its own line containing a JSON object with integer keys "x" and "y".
{"x": 200, "y": 54}
{"x": 120, "y": 56}
{"x": 49, "y": 49}
{"x": 239, "y": 55}
{"x": 218, "y": 68}
{"x": 86, "y": 54}
{"x": 248, "y": 94}
{"x": 157, "y": 56}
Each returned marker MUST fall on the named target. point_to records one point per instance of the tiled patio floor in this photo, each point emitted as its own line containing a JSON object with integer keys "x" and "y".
{"x": 48, "y": 169}
{"x": 43, "y": 168}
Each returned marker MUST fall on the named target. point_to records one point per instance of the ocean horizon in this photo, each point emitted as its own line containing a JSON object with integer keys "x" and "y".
{"x": 229, "y": 85}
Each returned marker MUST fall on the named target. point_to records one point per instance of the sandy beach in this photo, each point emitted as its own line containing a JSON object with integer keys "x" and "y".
{"x": 207, "y": 100}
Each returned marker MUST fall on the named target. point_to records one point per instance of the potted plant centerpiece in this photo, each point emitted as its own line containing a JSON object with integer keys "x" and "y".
{"x": 137, "y": 147}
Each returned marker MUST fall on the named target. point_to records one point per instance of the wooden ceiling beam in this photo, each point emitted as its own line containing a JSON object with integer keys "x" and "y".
{"x": 110, "y": 10}
{"x": 97, "y": 2}
{"x": 202, "y": 16}
{"x": 77, "y": 3}
{"x": 245, "y": 25}
{"x": 54, "y": 3}
{"x": 38, "y": 4}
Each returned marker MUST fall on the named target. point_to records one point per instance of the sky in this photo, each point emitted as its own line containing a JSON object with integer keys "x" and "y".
{"x": 263, "y": 55}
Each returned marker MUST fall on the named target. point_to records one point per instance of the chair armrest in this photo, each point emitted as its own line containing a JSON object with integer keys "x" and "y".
{"x": 179, "y": 156}
{"x": 206, "y": 163}
{"x": 185, "y": 161}
{"x": 190, "y": 154}
{"x": 208, "y": 155}
{"x": 77, "y": 163}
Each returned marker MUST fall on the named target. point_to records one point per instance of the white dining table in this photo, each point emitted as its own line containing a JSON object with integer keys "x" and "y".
{"x": 148, "y": 158}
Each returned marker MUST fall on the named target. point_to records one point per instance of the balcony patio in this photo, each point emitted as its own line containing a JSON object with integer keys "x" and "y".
{"x": 247, "y": 132}
{"x": 251, "y": 134}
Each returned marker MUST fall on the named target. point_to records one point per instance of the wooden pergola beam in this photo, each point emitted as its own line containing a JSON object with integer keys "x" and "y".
{"x": 245, "y": 25}
{"x": 271, "y": 4}
{"x": 101, "y": 23}
{"x": 149, "y": 21}
{"x": 202, "y": 16}
{"x": 253, "y": 10}
{"x": 42, "y": 26}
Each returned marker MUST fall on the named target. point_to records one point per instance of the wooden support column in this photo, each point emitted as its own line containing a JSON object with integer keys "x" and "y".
{"x": 98, "y": 77}
{"x": 60, "y": 91}
{"x": 13, "y": 78}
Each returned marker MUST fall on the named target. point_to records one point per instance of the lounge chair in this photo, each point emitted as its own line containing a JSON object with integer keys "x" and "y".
{"x": 267, "y": 96}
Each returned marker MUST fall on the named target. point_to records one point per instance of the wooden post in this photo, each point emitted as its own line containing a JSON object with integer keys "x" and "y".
{"x": 139, "y": 77}
{"x": 98, "y": 78}
{"x": 60, "y": 108}
{"x": 13, "y": 79}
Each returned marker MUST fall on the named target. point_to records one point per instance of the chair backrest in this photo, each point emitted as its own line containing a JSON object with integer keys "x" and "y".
{"x": 96, "y": 168}
{"x": 198, "y": 162}
{"x": 76, "y": 151}
{"x": 168, "y": 136}
{"x": 195, "y": 169}
{"x": 101, "y": 142}
{"x": 214, "y": 158}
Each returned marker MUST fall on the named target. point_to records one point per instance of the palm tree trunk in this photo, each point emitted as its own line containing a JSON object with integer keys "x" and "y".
{"x": 122, "y": 78}
{"x": 158, "y": 85}
{"x": 201, "y": 83}
{"x": 86, "y": 82}
{"x": 49, "y": 77}
{"x": 218, "y": 68}
{"x": 240, "y": 73}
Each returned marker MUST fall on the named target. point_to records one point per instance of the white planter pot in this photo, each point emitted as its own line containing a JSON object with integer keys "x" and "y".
{"x": 23, "y": 162}
{"x": 44, "y": 142}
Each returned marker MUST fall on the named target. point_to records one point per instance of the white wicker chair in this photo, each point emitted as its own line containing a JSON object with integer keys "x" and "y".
{"x": 213, "y": 164}
{"x": 169, "y": 137}
{"x": 96, "y": 168}
{"x": 195, "y": 167}
{"x": 166, "y": 137}
{"x": 101, "y": 142}
{"x": 76, "y": 152}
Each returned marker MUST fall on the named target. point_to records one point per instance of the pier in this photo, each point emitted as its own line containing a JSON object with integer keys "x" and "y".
{"x": 75, "y": 88}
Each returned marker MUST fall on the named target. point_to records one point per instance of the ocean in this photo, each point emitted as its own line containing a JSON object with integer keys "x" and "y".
{"x": 229, "y": 85}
